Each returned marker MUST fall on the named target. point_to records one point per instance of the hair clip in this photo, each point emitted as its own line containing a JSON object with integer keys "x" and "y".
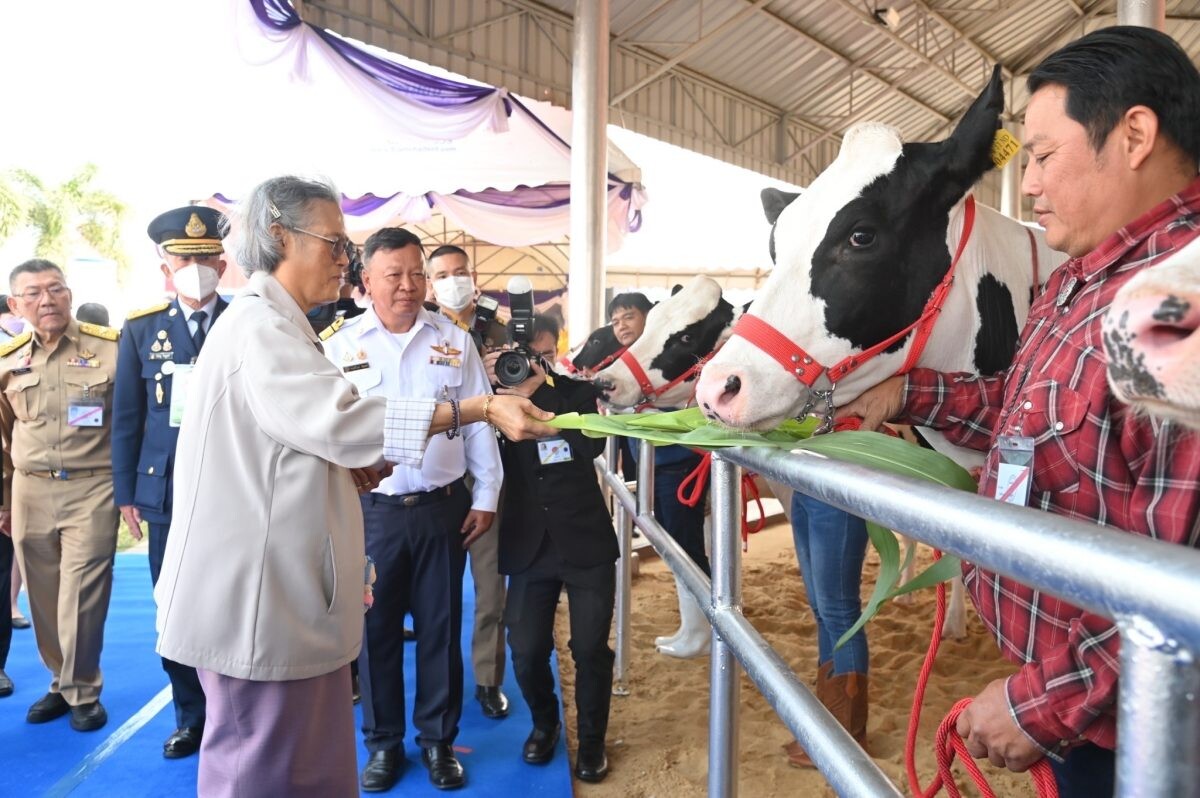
{"x": 275, "y": 214}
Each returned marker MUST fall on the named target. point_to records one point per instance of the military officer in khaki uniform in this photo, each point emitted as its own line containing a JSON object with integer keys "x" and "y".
{"x": 55, "y": 407}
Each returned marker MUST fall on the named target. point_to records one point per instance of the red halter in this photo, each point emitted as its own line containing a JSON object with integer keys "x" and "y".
{"x": 565, "y": 362}
{"x": 805, "y": 368}
{"x": 649, "y": 392}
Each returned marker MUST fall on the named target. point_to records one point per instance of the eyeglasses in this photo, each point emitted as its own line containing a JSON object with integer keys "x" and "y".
{"x": 35, "y": 294}
{"x": 341, "y": 245}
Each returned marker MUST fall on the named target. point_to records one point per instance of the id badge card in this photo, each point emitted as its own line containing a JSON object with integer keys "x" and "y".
{"x": 180, "y": 381}
{"x": 85, "y": 414}
{"x": 554, "y": 450}
{"x": 1016, "y": 469}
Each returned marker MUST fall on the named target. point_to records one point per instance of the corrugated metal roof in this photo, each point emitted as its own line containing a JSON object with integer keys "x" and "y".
{"x": 769, "y": 84}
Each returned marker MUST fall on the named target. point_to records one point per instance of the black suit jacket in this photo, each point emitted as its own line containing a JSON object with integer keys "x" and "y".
{"x": 562, "y": 500}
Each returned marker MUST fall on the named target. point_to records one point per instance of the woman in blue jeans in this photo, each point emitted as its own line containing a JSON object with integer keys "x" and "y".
{"x": 831, "y": 545}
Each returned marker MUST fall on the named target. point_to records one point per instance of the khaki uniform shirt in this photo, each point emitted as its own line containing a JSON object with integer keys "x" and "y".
{"x": 56, "y": 404}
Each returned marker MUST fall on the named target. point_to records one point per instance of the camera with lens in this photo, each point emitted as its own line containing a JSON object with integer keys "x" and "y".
{"x": 515, "y": 365}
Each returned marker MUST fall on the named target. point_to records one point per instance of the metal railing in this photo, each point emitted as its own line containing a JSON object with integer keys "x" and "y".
{"x": 1150, "y": 589}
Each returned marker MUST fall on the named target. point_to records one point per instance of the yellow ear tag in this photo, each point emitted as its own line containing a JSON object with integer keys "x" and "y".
{"x": 1004, "y": 147}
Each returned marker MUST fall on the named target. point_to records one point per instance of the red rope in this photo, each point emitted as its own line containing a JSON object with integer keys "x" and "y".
{"x": 947, "y": 742}
{"x": 691, "y": 489}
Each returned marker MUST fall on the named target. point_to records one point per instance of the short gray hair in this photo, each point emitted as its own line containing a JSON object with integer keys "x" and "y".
{"x": 284, "y": 200}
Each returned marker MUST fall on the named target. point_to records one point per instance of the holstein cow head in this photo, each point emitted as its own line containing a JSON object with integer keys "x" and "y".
{"x": 600, "y": 348}
{"x": 857, "y": 256}
{"x": 680, "y": 331}
{"x": 1152, "y": 337}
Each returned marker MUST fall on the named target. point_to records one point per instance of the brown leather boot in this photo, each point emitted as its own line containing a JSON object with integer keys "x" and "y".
{"x": 796, "y": 755}
{"x": 845, "y": 696}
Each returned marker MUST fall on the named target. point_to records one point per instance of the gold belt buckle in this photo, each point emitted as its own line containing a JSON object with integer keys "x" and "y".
{"x": 411, "y": 500}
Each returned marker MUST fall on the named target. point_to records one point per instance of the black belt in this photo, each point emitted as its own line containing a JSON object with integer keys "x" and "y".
{"x": 416, "y": 499}
{"x": 77, "y": 473}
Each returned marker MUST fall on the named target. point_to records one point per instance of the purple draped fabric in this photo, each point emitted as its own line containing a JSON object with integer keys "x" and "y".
{"x": 427, "y": 89}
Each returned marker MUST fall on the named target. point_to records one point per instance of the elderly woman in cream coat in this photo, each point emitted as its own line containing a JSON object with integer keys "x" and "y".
{"x": 262, "y": 585}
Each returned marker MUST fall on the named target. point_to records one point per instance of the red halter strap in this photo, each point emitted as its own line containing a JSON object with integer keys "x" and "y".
{"x": 649, "y": 392}
{"x": 565, "y": 362}
{"x": 805, "y": 368}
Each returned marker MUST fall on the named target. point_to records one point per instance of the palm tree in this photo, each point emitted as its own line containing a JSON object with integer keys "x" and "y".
{"x": 59, "y": 214}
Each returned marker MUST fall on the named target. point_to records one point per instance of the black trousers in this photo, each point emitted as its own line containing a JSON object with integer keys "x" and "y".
{"x": 1088, "y": 771}
{"x": 186, "y": 691}
{"x": 419, "y": 562}
{"x": 529, "y": 614}
{"x": 6, "y": 561}
{"x": 684, "y": 524}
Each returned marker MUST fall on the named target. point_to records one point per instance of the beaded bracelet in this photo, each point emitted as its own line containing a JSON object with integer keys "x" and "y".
{"x": 456, "y": 423}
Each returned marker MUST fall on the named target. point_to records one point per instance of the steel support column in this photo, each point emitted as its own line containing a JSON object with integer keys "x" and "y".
{"x": 1146, "y": 13}
{"x": 589, "y": 152}
{"x": 1158, "y": 729}
{"x": 1010, "y": 180}
{"x": 724, "y": 672}
{"x": 624, "y": 525}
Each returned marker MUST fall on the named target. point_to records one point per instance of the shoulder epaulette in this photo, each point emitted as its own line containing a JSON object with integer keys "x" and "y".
{"x": 99, "y": 331}
{"x": 16, "y": 343}
{"x": 328, "y": 332}
{"x": 459, "y": 324}
{"x": 137, "y": 314}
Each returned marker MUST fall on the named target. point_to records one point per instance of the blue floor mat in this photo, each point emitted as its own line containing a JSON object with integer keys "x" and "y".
{"x": 125, "y": 757}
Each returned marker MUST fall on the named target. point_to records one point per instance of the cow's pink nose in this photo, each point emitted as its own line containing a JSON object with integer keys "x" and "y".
{"x": 720, "y": 399}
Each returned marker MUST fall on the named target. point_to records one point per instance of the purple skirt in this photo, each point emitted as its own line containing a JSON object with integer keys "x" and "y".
{"x": 278, "y": 738}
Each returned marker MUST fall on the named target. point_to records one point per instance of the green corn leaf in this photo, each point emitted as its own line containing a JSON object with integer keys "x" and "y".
{"x": 690, "y": 428}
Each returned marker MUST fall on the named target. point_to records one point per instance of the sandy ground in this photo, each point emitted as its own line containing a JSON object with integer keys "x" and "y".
{"x": 658, "y": 735}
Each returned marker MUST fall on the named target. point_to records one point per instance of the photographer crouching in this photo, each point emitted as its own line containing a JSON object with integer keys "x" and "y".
{"x": 555, "y": 531}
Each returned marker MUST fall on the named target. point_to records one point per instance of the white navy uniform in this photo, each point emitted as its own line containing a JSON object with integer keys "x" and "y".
{"x": 413, "y": 523}
{"x": 435, "y": 354}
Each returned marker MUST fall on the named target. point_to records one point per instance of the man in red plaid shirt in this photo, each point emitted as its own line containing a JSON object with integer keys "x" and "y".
{"x": 1113, "y": 140}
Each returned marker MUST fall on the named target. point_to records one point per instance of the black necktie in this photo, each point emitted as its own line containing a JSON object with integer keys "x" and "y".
{"x": 198, "y": 336}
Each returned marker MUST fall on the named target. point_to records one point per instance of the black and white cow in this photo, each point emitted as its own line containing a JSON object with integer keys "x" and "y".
{"x": 600, "y": 348}
{"x": 1152, "y": 338}
{"x": 859, "y": 255}
{"x": 863, "y": 262}
{"x": 680, "y": 333}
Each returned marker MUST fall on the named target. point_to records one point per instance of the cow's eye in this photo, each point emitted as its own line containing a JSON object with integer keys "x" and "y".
{"x": 685, "y": 338}
{"x": 861, "y": 239}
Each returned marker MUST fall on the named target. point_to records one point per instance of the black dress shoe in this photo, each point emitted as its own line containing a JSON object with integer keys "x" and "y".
{"x": 88, "y": 717}
{"x": 540, "y": 745}
{"x": 445, "y": 772}
{"x": 409, "y": 635}
{"x": 355, "y": 690}
{"x": 493, "y": 701}
{"x": 6, "y": 685}
{"x": 591, "y": 764}
{"x": 21, "y": 622}
{"x": 183, "y": 742}
{"x": 382, "y": 771}
{"x": 48, "y": 708}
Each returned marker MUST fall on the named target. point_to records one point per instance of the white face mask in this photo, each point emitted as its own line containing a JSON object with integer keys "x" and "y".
{"x": 454, "y": 292}
{"x": 195, "y": 281}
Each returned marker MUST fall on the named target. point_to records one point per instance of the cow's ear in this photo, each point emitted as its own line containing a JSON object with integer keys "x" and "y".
{"x": 971, "y": 142}
{"x": 676, "y": 289}
{"x": 774, "y": 201}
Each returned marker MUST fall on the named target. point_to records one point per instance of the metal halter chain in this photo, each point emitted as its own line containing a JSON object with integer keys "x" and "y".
{"x": 649, "y": 392}
{"x": 805, "y": 368}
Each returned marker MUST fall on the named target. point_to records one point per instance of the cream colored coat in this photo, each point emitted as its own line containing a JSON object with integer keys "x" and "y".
{"x": 263, "y": 573}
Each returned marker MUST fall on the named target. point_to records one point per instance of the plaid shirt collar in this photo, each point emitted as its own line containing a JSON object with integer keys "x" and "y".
{"x": 1114, "y": 248}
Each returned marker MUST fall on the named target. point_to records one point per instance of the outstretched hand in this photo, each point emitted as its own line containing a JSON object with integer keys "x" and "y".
{"x": 519, "y": 419}
{"x": 876, "y": 405}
